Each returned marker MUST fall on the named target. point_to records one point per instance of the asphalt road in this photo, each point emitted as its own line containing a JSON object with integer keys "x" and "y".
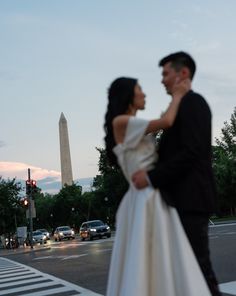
{"x": 223, "y": 252}
{"x": 86, "y": 263}
{"x": 82, "y": 263}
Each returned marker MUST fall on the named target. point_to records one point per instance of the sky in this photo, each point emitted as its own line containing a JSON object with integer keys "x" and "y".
{"x": 61, "y": 56}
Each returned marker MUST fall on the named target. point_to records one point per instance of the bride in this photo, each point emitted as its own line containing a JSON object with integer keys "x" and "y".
{"x": 151, "y": 255}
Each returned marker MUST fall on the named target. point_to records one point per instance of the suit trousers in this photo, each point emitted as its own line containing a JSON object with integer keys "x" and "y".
{"x": 196, "y": 228}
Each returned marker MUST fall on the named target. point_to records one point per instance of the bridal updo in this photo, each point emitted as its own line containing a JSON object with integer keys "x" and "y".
{"x": 120, "y": 96}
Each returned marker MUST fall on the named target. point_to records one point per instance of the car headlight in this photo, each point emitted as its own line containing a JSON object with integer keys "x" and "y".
{"x": 93, "y": 229}
{"x": 72, "y": 232}
{"x": 61, "y": 233}
{"x": 108, "y": 227}
{"x": 44, "y": 237}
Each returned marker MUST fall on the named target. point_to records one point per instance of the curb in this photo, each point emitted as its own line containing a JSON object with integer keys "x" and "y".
{"x": 5, "y": 252}
{"x": 224, "y": 222}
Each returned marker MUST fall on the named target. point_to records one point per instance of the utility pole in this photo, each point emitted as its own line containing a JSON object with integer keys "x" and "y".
{"x": 29, "y": 194}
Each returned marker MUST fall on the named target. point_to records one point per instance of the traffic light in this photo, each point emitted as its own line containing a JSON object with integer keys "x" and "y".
{"x": 34, "y": 188}
{"x": 28, "y": 187}
{"x": 31, "y": 187}
{"x": 26, "y": 203}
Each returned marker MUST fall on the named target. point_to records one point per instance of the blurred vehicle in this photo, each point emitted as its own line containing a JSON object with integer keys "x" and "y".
{"x": 11, "y": 243}
{"x": 45, "y": 232}
{"x": 95, "y": 228}
{"x": 63, "y": 232}
{"x": 38, "y": 237}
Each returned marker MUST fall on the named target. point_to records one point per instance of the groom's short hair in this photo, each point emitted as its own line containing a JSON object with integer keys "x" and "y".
{"x": 179, "y": 60}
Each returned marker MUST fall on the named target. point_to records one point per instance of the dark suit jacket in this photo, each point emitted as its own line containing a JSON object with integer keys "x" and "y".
{"x": 183, "y": 172}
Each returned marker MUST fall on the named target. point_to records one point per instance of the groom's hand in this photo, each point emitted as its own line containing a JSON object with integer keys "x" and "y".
{"x": 140, "y": 179}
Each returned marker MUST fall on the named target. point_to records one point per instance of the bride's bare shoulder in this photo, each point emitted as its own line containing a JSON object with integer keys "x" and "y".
{"x": 120, "y": 121}
{"x": 119, "y": 125}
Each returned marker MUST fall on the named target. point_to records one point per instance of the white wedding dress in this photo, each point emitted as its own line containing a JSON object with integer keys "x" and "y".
{"x": 151, "y": 255}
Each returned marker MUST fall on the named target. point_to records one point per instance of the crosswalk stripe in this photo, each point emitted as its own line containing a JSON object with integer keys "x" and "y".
{"x": 11, "y": 270}
{"x": 51, "y": 292}
{"x": 21, "y": 282}
{"x": 16, "y": 278}
{"x": 15, "y": 274}
{"x": 21, "y": 277}
{"x": 28, "y": 287}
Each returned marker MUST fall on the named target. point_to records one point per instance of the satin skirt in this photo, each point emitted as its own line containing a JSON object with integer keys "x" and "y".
{"x": 151, "y": 254}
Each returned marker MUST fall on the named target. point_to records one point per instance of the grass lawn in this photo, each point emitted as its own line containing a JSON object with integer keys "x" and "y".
{"x": 226, "y": 218}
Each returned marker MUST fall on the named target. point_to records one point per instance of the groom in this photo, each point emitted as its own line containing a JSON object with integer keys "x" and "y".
{"x": 183, "y": 172}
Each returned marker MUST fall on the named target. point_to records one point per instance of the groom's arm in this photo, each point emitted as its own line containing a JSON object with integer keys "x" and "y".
{"x": 195, "y": 117}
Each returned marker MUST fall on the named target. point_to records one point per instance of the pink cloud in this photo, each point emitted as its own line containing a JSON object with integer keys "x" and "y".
{"x": 20, "y": 171}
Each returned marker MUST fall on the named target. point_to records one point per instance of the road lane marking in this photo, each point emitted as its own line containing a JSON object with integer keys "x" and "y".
{"x": 68, "y": 257}
{"x": 73, "y": 256}
{"x": 16, "y": 281}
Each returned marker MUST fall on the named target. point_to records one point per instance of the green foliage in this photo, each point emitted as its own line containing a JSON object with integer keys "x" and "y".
{"x": 224, "y": 164}
{"x": 228, "y": 139}
{"x": 10, "y": 205}
{"x": 44, "y": 204}
{"x": 68, "y": 207}
{"x": 67, "y": 203}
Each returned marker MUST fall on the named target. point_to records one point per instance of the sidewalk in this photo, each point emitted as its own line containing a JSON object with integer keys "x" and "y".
{"x": 22, "y": 250}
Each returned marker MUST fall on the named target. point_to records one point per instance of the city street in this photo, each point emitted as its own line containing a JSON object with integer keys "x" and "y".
{"x": 86, "y": 264}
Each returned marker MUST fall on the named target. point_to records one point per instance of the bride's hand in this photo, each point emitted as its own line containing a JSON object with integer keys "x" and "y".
{"x": 180, "y": 88}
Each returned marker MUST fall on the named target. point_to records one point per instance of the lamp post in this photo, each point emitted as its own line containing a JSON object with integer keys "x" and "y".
{"x": 51, "y": 218}
{"x": 108, "y": 209}
{"x": 29, "y": 195}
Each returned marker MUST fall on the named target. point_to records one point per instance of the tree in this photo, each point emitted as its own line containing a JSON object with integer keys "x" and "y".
{"x": 10, "y": 205}
{"x": 44, "y": 204}
{"x": 224, "y": 164}
{"x": 67, "y": 207}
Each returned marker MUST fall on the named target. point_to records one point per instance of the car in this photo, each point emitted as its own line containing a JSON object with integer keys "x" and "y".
{"x": 63, "y": 232}
{"x": 94, "y": 228}
{"x": 39, "y": 237}
{"x": 45, "y": 232}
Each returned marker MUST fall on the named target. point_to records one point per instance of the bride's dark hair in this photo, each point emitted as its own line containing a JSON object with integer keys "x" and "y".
{"x": 120, "y": 96}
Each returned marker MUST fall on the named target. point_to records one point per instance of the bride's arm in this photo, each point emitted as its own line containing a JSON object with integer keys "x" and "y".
{"x": 168, "y": 118}
{"x": 121, "y": 121}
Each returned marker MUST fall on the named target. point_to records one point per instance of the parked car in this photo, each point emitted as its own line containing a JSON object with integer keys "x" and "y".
{"x": 63, "y": 232}
{"x": 45, "y": 232}
{"x": 94, "y": 228}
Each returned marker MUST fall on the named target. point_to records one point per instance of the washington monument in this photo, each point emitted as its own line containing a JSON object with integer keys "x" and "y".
{"x": 66, "y": 170}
